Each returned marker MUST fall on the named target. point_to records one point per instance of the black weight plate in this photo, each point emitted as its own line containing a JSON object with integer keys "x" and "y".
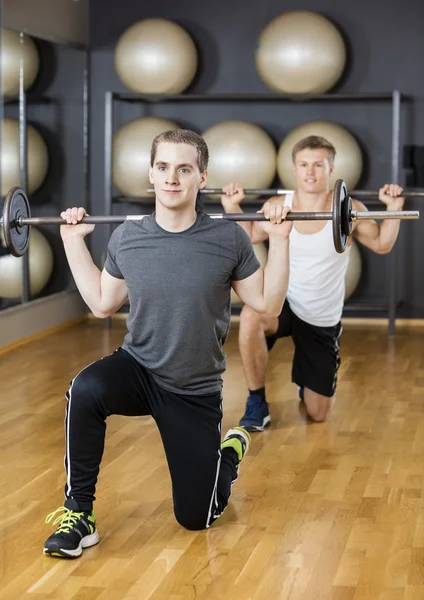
{"x": 17, "y": 237}
{"x": 339, "y": 201}
{"x": 346, "y": 212}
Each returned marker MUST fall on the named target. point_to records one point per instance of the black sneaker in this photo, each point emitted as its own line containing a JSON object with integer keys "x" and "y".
{"x": 77, "y": 530}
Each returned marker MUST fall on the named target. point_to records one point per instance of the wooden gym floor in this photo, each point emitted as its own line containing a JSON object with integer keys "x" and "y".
{"x": 330, "y": 511}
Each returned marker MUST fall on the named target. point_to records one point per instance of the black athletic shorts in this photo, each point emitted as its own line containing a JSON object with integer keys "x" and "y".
{"x": 316, "y": 357}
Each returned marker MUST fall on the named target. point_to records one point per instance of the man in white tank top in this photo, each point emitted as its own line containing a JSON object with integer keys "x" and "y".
{"x": 312, "y": 312}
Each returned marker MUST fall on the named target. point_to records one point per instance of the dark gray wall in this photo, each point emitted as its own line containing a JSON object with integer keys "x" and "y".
{"x": 383, "y": 54}
{"x": 64, "y": 21}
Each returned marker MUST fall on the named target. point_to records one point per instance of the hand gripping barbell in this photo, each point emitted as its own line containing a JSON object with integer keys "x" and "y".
{"x": 17, "y": 218}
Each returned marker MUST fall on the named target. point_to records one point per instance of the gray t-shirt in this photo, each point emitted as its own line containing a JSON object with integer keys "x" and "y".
{"x": 179, "y": 287}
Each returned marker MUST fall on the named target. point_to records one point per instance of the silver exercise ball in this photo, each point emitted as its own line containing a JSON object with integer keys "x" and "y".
{"x": 37, "y": 157}
{"x": 353, "y": 273}
{"x": 261, "y": 253}
{"x": 40, "y": 268}
{"x": 12, "y": 49}
{"x": 241, "y": 152}
{"x": 300, "y": 52}
{"x": 131, "y": 154}
{"x": 348, "y": 162}
{"x": 156, "y": 56}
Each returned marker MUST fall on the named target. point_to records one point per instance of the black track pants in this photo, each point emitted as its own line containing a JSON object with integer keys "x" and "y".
{"x": 190, "y": 427}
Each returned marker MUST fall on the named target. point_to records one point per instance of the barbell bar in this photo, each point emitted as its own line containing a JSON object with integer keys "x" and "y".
{"x": 282, "y": 192}
{"x": 16, "y": 219}
{"x": 247, "y": 192}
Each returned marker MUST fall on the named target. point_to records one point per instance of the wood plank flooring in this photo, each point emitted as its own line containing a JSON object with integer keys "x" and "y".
{"x": 331, "y": 511}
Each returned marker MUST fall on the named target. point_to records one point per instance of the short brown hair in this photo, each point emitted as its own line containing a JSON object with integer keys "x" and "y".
{"x": 183, "y": 136}
{"x": 314, "y": 142}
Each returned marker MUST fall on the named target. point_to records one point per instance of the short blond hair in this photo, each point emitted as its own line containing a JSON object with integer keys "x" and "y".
{"x": 314, "y": 142}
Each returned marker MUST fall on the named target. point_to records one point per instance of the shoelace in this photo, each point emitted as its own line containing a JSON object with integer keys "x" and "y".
{"x": 67, "y": 520}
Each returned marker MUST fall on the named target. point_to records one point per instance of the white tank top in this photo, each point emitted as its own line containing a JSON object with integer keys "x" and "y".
{"x": 317, "y": 275}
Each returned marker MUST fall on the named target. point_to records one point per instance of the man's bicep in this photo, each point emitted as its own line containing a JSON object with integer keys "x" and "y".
{"x": 114, "y": 292}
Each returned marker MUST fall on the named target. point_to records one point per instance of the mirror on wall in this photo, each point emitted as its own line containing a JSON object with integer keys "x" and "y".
{"x": 44, "y": 133}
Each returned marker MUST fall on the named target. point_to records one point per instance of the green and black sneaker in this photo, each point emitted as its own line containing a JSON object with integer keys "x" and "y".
{"x": 77, "y": 530}
{"x": 238, "y": 439}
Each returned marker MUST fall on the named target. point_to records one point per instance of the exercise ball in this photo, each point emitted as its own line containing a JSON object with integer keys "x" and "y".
{"x": 300, "y": 52}
{"x": 40, "y": 268}
{"x": 156, "y": 56}
{"x": 37, "y": 157}
{"x": 348, "y": 162}
{"x": 11, "y": 52}
{"x": 132, "y": 144}
{"x": 261, "y": 253}
{"x": 241, "y": 152}
{"x": 353, "y": 273}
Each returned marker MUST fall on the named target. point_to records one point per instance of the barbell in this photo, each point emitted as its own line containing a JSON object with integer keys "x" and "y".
{"x": 282, "y": 192}
{"x": 16, "y": 219}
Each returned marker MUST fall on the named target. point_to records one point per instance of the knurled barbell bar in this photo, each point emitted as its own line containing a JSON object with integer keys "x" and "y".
{"x": 16, "y": 220}
{"x": 282, "y": 192}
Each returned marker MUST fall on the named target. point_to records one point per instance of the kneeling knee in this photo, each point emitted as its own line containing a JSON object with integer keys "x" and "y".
{"x": 318, "y": 417}
{"x": 192, "y": 522}
{"x": 317, "y": 407}
{"x": 318, "y": 414}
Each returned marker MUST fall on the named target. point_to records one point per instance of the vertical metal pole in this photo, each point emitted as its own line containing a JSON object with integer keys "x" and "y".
{"x": 2, "y": 240}
{"x": 108, "y": 167}
{"x": 393, "y": 256}
{"x": 23, "y": 171}
{"x": 108, "y": 152}
{"x": 86, "y": 128}
{"x": 1, "y": 112}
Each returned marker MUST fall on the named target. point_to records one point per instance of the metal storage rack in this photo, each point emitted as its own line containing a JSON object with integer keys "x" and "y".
{"x": 395, "y": 98}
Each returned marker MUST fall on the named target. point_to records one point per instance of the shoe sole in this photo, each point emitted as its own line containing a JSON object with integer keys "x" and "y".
{"x": 86, "y": 542}
{"x": 265, "y": 422}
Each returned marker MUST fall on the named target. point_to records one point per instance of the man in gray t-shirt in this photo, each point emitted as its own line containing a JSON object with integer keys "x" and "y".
{"x": 179, "y": 294}
{"x": 176, "y": 267}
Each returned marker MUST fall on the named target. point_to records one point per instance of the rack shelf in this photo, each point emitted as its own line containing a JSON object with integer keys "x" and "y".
{"x": 394, "y": 97}
{"x": 161, "y": 98}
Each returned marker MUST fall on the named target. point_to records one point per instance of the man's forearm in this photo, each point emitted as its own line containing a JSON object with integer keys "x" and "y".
{"x": 86, "y": 275}
{"x": 389, "y": 231}
{"x": 276, "y": 274}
